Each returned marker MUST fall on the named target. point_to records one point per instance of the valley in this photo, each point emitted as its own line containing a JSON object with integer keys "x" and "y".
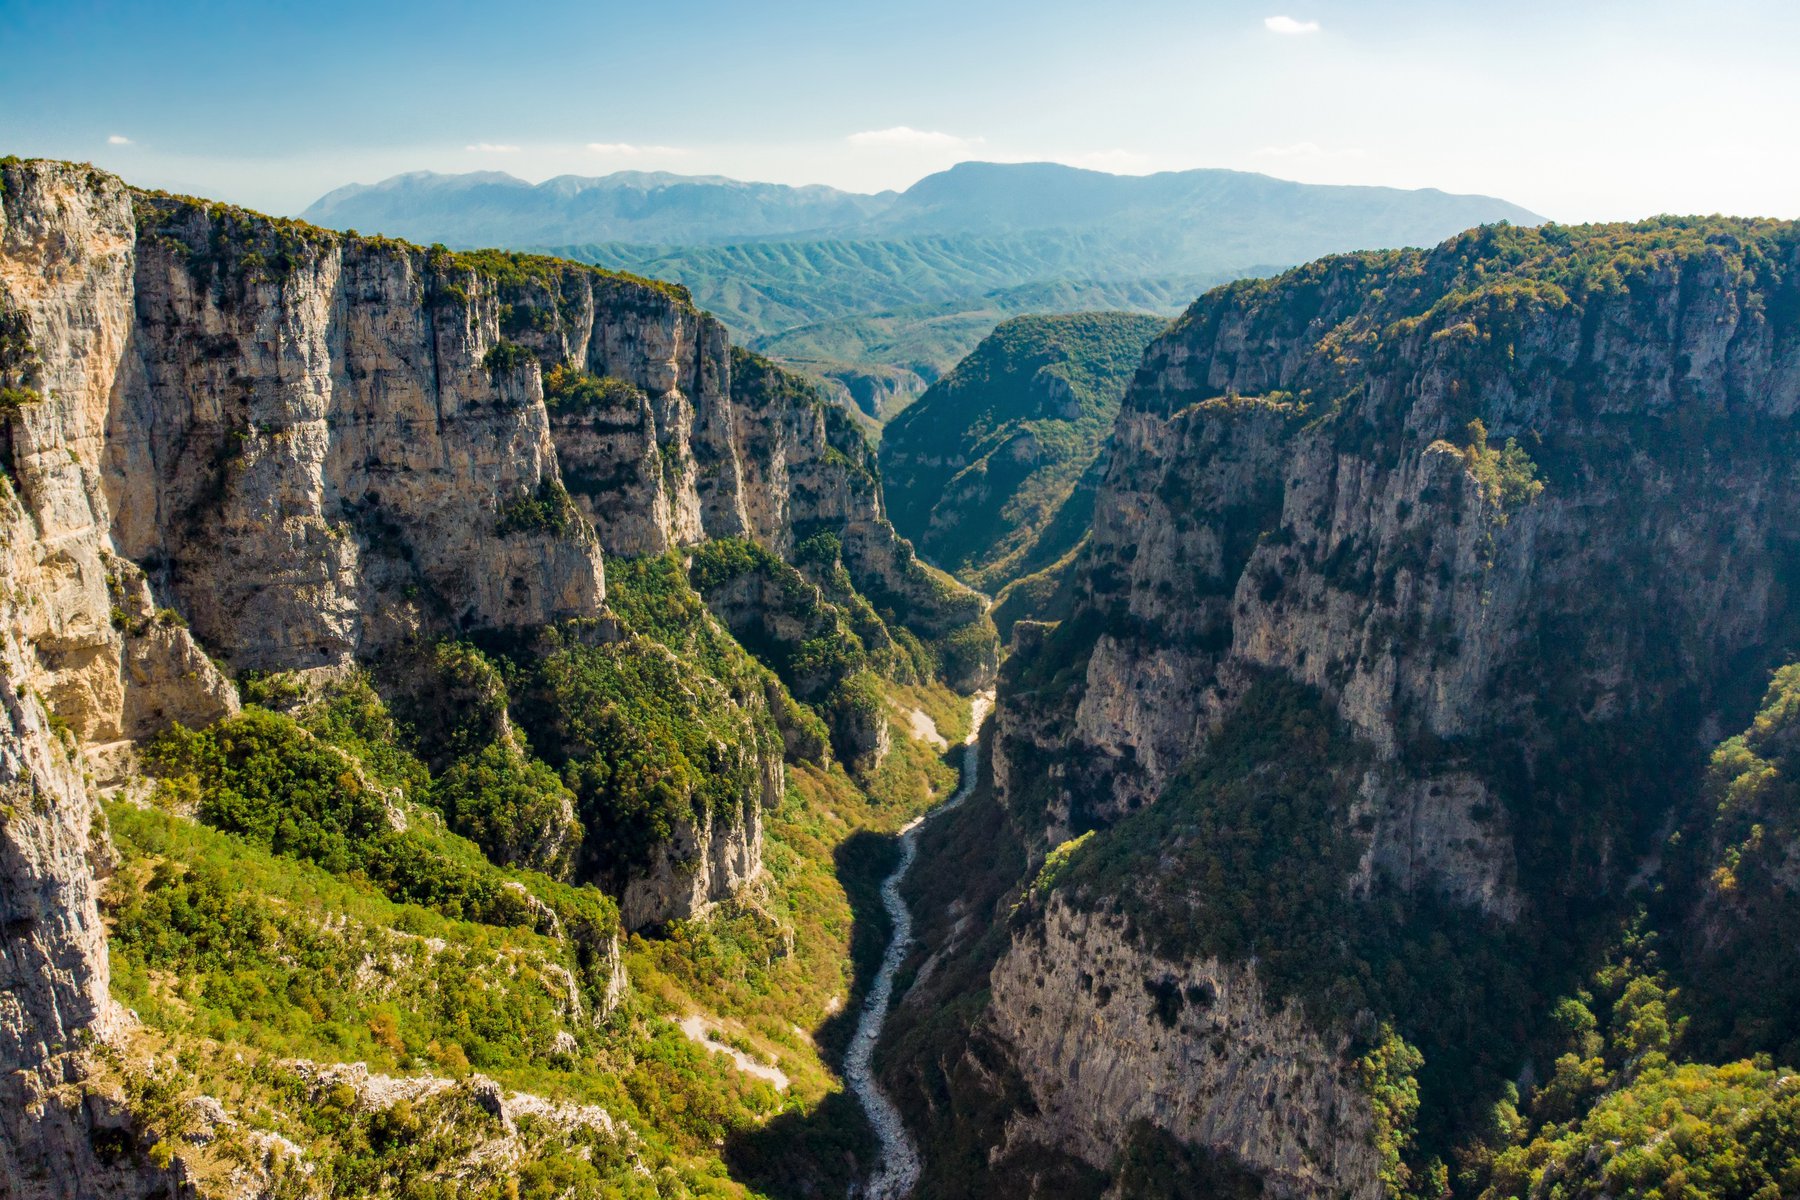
{"x": 954, "y": 693}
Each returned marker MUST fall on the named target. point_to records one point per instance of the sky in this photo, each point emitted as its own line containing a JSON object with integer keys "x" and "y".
{"x": 1578, "y": 109}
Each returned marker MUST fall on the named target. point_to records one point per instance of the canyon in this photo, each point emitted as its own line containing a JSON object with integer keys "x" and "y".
{"x": 458, "y": 705}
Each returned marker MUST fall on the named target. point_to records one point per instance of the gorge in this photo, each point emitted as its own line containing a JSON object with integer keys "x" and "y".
{"x": 471, "y": 729}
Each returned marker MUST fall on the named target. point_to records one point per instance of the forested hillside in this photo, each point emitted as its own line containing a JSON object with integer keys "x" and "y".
{"x": 992, "y": 472}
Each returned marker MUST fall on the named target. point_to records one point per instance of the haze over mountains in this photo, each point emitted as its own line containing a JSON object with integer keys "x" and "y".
{"x": 881, "y": 294}
{"x": 1260, "y": 214}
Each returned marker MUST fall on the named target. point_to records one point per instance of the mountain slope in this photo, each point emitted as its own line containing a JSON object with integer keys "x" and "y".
{"x": 983, "y": 469}
{"x": 644, "y": 207}
{"x": 1419, "y": 584}
{"x": 1214, "y": 213}
{"x": 376, "y": 731}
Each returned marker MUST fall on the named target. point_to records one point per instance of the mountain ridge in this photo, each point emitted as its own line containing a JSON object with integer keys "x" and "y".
{"x": 794, "y": 270}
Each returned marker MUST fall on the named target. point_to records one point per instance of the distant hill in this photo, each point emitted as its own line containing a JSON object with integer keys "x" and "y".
{"x": 879, "y": 295}
{"x": 646, "y": 207}
{"x": 984, "y": 472}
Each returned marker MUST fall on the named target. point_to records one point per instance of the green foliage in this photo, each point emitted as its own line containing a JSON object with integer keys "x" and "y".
{"x": 569, "y": 389}
{"x": 1696, "y": 1132}
{"x": 1056, "y": 862}
{"x": 512, "y": 271}
{"x": 549, "y": 509}
{"x": 504, "y": 357}
{"x": 978, "y": 469}
{"x": 643, "y": 741}
{"x": 266, "y": 777}
{"x": 215, "y": 935}
{"x": 1388, "y": 1074}
{"x": 1508, "y": 477}
{"x": 828, "y": 646}
{"x": 228, "y": 249}
{"x": 653, "y": 597}
{"x": 823, "y": 549}
{"x": 1744, "y": 985}
{"x": 1621, "y": 1116}
{"x": 352, "y": 717}
{"x": 512, "y": 806}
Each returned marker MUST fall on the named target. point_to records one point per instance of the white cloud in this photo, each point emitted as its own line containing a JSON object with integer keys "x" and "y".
{"x": 1287, "y": 25}
{"x": 627, "y": 150}
{"x": 118, "y": 139}
{"x": 1308, "y": 150}
{"x": 491, "y": 148}
{"x": 908, "y": 137}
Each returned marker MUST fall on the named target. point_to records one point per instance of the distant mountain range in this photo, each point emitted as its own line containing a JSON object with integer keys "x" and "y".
{"x": 881, "y": 294}
{"x": 489, "y": 207}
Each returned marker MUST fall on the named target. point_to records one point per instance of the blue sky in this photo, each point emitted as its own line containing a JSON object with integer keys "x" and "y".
{"x": 1582, "y": 110}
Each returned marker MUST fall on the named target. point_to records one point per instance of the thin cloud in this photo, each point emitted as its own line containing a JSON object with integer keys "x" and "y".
{"x": 1118, "y": 162}
{"x": 1287, "y": 25}
{"x": 491, "y": 148}
{"x": 627, "y": 150}
{"x": 1308, "y": 150}
{"x": 118, "y": 139}
{"x": 908, "y": 137}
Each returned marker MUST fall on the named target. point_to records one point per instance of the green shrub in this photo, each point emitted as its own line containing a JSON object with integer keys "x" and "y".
{"x": 1508, "y": 477}
{"x": 568, "y": 389}
{"x": 504, "y": 356}
{"x": 513, "y": 807}
{"x": 264, "y": 776}
{"x": 549, "y": 509}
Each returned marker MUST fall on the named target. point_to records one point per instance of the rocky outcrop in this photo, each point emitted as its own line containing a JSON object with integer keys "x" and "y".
{"x": 1515, "y": 507}
{"x": 708, "y": 857}
{"x": 480, "y": 1134}
{"x": 1364, "y": 540}
{"x": 85, "y": 664}
{"x": 309, "y": 453}
{"x": 1106, "y": 1034}
{"x": 808, "y": 470}
{"x": 877, "y": 392}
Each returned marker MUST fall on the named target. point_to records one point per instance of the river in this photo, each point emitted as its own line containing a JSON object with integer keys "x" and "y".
{"x": 898, "y": 1169}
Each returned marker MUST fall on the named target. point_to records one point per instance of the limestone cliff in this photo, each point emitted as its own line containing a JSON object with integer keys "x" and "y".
{"x": 1105, "y": 1034}
{"x": 1514, "y": 508}
{"x": 1295, "y": 486}
{"x": 233, "y": 443}
{"x": 84, "y": 662}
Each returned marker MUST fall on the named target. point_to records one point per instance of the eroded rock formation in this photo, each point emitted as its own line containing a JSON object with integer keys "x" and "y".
{"x": 1516, "y": 509}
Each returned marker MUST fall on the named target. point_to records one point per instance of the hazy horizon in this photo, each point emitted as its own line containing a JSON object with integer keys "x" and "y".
{"x": 1615, "y": 111}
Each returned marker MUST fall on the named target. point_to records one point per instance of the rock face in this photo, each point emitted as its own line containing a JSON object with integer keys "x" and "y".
{"x": 311, "y": 454}
{"x": 81, "y": 662}
{"x": 1515, "y": 507}
{"x": 1105, "y": 1034}
{"x": 708, "y": 858}
{"x": 229, "y": 435}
